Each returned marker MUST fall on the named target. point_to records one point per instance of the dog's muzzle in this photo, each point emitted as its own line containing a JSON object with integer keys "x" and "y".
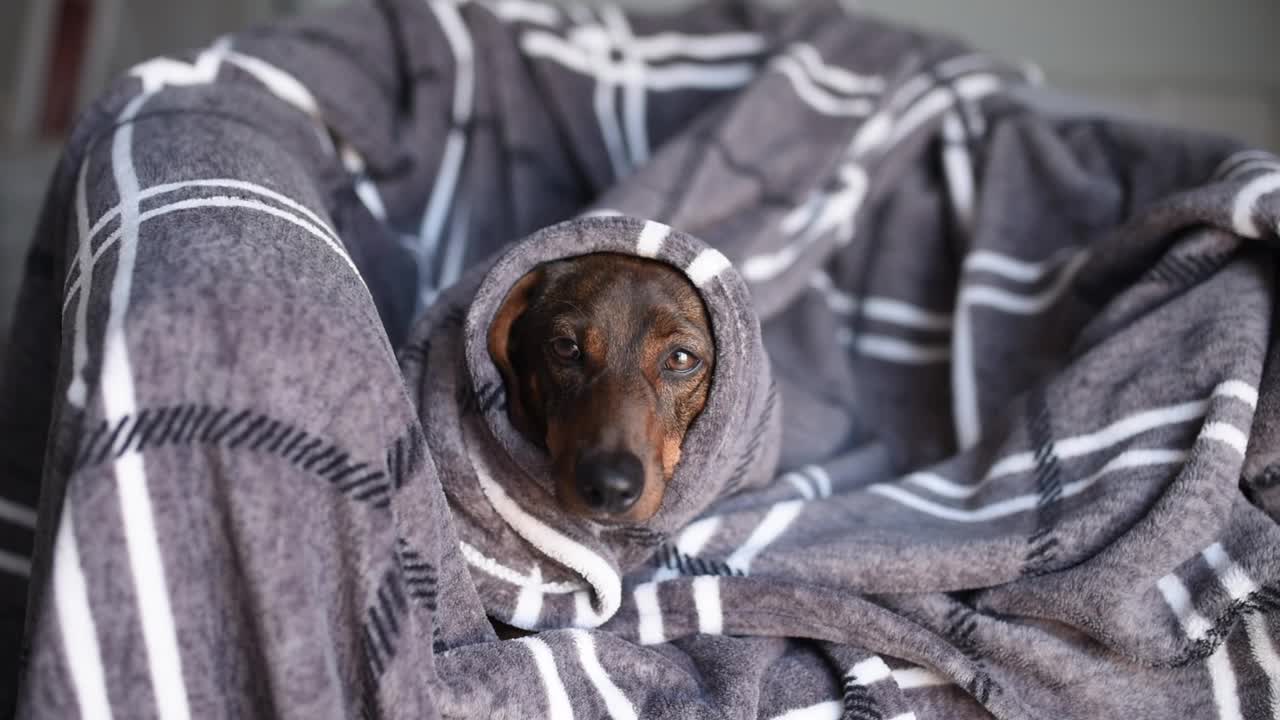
{"x": 609, "y": 482}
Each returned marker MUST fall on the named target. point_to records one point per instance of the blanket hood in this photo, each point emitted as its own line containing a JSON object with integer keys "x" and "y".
{"x": 535, "y": 566}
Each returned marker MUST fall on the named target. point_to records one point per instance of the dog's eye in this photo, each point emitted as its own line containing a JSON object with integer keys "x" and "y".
{"x": 566, "y": 349}
{"x": 682, "y": 361}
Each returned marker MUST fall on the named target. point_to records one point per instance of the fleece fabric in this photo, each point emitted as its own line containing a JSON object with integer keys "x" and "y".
{"x": 499, "y": 485}
{"x": 1024, "y": 357}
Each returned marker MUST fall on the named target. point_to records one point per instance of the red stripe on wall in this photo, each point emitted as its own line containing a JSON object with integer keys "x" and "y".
{"x": 70, "y": 44}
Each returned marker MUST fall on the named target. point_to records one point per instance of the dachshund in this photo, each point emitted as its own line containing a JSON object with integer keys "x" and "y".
{"x": 607, "y": 360}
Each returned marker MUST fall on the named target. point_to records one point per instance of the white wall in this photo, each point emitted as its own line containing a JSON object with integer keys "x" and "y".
{"x": 1204, "y": 64}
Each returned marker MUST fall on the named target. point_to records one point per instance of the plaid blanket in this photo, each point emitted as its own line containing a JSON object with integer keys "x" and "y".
{"x": 1025, "y": 462}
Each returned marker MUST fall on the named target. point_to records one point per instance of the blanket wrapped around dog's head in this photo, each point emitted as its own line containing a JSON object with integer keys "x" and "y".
{"x": 534, "y": 565}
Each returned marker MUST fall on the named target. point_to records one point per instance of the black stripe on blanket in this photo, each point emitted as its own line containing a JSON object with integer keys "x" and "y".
{"x": 671, "y": 558}
{"x": 1042, "y": 545}
{"x": 420, "y": 577}
{"x": 1265, "y": 480}
{"x": 962, "y": 624}
{"x": 1268, "y": 478}
{"x": 455, "y": 318}
{"x": 370, "y": 705}
{"x": 482, "y": 399}
{"x": 1186, "y": 271}
{"x": 752, "y": 452}
{"x": 638, "y": 536}
{"x": 1264, "y": 600}
{"x": 383, "y": 620}
{"x": 405, "y": 456}
{"x": 421, "y": 582}
{"x": 244, "y": 430}
{"x": 858, "y": 702}
{"x": 417, "y": 352}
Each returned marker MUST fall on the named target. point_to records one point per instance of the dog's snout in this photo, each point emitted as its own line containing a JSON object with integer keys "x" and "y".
{"x": 610, "y": 482}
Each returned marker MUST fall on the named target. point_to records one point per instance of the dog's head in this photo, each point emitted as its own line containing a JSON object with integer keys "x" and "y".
{"x": 607, "y": 360}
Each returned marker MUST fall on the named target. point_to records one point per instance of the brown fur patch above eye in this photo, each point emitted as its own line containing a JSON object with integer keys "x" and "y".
{"x": 671, "y": 455}
{"x": 593, "y": 343}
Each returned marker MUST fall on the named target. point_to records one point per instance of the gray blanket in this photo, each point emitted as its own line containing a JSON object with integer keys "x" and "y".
{"x": 1022, "y": 356}
{"x": 499, "y": 486}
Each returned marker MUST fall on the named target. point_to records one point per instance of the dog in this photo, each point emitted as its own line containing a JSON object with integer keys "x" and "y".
{"x": 607, "y": 360}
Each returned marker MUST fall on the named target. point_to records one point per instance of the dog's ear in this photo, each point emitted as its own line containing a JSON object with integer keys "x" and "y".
{"x": 502, "y": 347}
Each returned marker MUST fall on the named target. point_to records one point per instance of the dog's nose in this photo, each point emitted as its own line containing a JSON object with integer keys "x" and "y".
{"x": 610, "y": 482}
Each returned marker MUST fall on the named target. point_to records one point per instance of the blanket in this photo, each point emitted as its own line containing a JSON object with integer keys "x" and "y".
{"x": 1021, "y": 354}
{"x": 499, "y": 486}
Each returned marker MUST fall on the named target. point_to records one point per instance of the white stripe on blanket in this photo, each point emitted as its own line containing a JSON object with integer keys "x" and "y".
{"x": 649, "y": 612}
{"x": 226, "y": 183}
{"x": 80, "y": 645}
{"x": 604, "y": 97}
{"x": 712, "y": 46}
{"x": 534, "y": 13}
{"x": 869, "y": 671}
{"x": 444, "y": 188}
{"x": 1014, "y": 268}
{"x": 669, "y": 76}
{"x": 775, "y": 522}
{"x": 1019, "y": 304}
{"x": 706, "y": 601}
{"x": 159, "y": 72}
{"x": 605, "y": 583}
{"x": 1127, "y": 460}
{"x": 834, "y": 77}
{"x": 817, "y": 97}
{"x": 78, "y": 389}
{"x": 918, "y": 677}
{"x": 1128, "y": 427}
{"x": 159, "y": 631}
{"x": 880, "y": 309}
{"x": 615, "y": 701}
{"x": 223, "y": 201}
{"x": 1221, "y": 675}
{"x": 652, "y": 235}
{"x": 281, "y": 84}
{"x": 879, "y": 132}
{"x": 1240, "y": 587}
{"x": 634, "y": 95}
{"x": 811, "y": 481}
{"x": 311, "y": 222}
{"x": 706, "y": 267}
{"x": 1113, "y": 434}
{"x": 891, "y": 349}
{"x": 1239, "y": 164}
{"x": 1245, "y": 204}
{"x": 690, "y": 541}
{"x": 558, "y": 705}
{"x": 964, "y": 381}
{"x": 529, "y": 602}
{"x": 480, "y": 561}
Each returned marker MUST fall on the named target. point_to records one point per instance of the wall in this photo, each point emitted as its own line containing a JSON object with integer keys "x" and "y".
{"x": 1183, "y": 61}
